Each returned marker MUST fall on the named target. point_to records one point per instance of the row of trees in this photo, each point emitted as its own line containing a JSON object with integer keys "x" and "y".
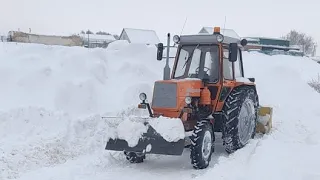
{"x": 307, "y": 43}
{"x": 99, "y": 33}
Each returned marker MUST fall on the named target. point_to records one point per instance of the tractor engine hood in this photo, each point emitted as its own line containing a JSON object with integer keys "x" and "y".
{"x": 169, "y": 95}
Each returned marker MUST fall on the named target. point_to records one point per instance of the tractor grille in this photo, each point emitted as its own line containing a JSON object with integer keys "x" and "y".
{"x": 164, "y": 95}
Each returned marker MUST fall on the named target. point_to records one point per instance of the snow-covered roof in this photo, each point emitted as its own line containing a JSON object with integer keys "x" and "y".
{"x": 271, "y": 38}
{"x": 225, "y": 32}
{"x": 143, "y": 36}
{"x": 251, "y": 39}
{"x": 98, "y": 37}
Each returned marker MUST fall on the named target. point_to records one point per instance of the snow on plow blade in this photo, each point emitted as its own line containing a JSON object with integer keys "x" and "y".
{"x": 156, "y": 136}
{"x": 264, "y": 120}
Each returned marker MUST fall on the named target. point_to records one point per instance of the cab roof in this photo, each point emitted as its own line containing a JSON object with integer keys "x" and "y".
{"x": 206, "y": 39}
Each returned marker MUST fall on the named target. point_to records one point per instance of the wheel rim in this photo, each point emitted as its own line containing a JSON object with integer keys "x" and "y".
{"x": 206, "y": 145}
{"x": 246, "y": 121}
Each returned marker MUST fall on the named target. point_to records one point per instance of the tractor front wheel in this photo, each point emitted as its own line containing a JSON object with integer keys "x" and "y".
{"x": 202, "y": 144}
{"x": 134, "y": 157}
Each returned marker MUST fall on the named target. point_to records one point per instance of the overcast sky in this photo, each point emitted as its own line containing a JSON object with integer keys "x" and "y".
{"x": 271, "y": 18}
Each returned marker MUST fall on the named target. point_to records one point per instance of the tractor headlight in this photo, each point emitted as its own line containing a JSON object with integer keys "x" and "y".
{"x": 220, "y": 38}
{"x": 188, "y": 100}
{"x": 143, "y": 96}
{"x": 176, "y": 38}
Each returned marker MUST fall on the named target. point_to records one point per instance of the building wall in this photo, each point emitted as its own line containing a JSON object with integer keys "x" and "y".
{"x": 275, "y": 42}
{"x": 45, "y": 39}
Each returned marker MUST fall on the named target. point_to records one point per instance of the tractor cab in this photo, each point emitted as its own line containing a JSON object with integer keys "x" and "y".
{"x": 200, "y": 56}
{"x": 205, "y": 70}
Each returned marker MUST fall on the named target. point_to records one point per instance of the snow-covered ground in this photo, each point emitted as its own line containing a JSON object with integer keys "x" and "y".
{"x": 52, "y": 100}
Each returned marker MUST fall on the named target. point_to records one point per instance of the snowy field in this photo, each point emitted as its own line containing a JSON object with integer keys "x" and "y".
{"x": 52, "y": 100}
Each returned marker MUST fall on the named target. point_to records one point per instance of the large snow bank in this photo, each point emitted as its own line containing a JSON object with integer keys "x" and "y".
{"x": 75, "y": 80}
{"x": 52, "y": 100}
{"x": 290, "y": 150}
{"x": 51, "y": 95}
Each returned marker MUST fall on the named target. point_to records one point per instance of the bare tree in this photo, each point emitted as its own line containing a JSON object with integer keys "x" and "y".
{"x": 307, "y": 43}
{"x": 102, "y": 33}
{"x": 89, "y": 32}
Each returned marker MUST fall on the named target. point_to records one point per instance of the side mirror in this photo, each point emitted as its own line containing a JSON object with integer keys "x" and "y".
{"x": 160, "y": 52}
{"x": 233, "y": 52}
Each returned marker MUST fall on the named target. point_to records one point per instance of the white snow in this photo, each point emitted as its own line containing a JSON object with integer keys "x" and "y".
{"x": 243, "y": 79}
{"x": 131, "y": 128}
{"x": 171, "y": 129}
{"x": 264, "y": 119}
{"x": 131, "y": 131}
{"x": 52, "y": 100}
{"x": 98, "y": 37}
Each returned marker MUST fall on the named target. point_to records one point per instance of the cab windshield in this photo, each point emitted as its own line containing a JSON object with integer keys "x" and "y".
{"x": 198, "y": 61}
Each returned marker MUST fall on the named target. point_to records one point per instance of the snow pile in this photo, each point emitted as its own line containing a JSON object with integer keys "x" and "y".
{"x": 171, "y": 129}
{"x": 53, "y": 99}
{"x": 264, "y": 119}
{"x": 131, "y": 131}
{"x": 131, "y": 128}
{"x": 76, "y": 80}
{"x": 282, "y": 83}
{"x": 33, "y": 138}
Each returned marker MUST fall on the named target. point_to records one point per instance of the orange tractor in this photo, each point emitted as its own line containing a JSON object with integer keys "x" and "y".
{"x": 208, "y": 93}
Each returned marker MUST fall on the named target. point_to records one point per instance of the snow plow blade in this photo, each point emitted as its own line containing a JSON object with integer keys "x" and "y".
{"x": 264, "y": 124}
{"x": 143, "y": 137}
{"x": 150, "y": 143}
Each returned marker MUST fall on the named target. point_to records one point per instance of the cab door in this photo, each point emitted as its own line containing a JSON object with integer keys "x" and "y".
{"x": 230, "y": 71}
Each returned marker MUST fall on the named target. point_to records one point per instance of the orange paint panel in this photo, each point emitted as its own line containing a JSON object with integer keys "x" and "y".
{"x": 189, "y": 88}
{"x": 205, "y": 97}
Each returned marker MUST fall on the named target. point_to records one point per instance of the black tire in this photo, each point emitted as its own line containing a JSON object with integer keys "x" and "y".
{"x": 133, "y": 157}
{"x": 234, "y": 135}
{"x": 203, "y": 129}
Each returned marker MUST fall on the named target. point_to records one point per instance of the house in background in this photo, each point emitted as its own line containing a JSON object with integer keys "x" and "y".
{"x": 139, "y": 36}
{"x": 97, "y": 40}
{"x": 272, "y": 46}
{"x": 225, "y": 32}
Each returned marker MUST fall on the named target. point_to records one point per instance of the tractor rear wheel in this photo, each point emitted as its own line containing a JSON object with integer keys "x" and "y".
{"x": 240, "y": 108}
{"x": 202, "y": 144}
